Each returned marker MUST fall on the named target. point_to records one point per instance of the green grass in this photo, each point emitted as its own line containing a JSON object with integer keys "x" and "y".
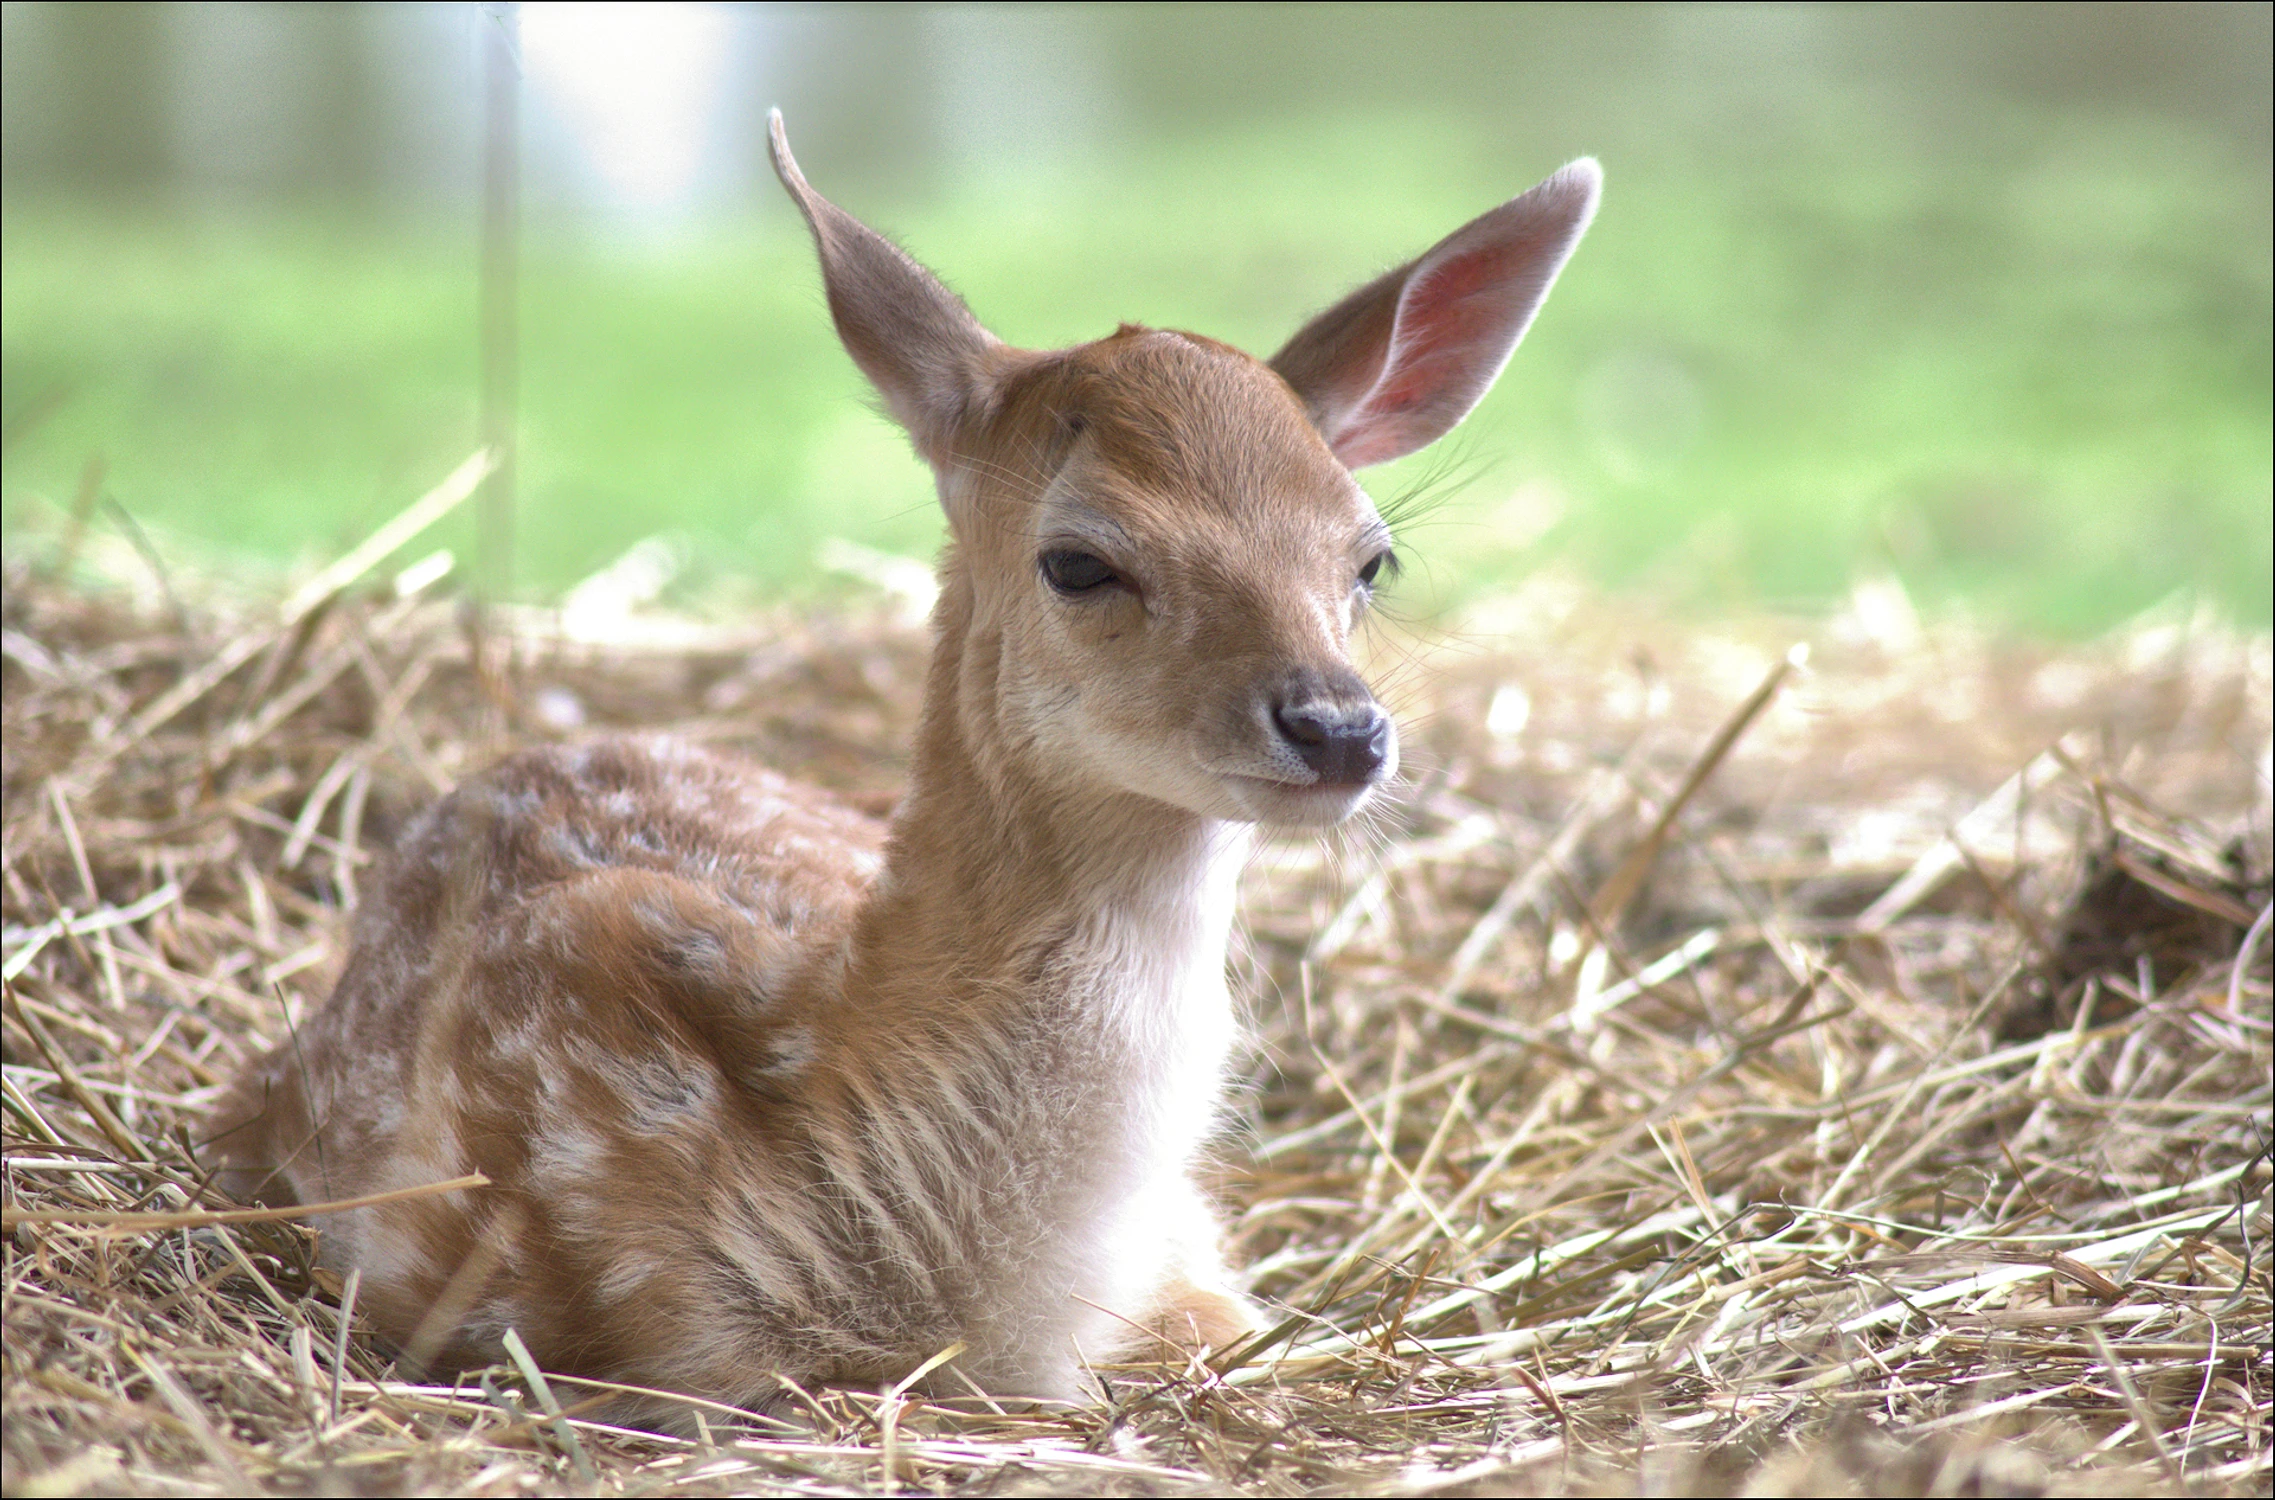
{"x": 2033, "y": 380}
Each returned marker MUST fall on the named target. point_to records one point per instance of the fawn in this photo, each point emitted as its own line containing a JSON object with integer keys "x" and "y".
{"x": 764, "y": 1090}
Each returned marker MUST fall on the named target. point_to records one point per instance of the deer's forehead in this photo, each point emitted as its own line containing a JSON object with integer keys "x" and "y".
{"x": 1169, "y": 407}
{"x": 1175, "y": 389}
{"x": 1171, "y": 444}
{"x": 1199, "y": 432}
{"x": 1237, "y": 518}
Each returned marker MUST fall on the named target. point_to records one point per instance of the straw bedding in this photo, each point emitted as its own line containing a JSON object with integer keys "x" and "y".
{"x": 1708, "y": 1074}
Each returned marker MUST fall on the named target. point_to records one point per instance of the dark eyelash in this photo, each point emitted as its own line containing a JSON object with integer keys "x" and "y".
{"x": 1074, "y": 572}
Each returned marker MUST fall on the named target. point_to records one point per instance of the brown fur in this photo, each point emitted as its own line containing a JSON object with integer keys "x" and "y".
{"x": 763, "y": 1090}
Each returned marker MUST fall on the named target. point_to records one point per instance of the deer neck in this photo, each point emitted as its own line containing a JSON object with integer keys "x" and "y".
{"x": 1089, "y": 921}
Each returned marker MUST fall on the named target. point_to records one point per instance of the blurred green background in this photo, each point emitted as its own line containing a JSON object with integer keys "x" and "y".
{"x": 1976, "y": 295}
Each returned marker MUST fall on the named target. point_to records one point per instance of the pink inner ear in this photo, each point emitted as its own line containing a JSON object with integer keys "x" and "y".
{"x": 1396, "y": 364}
{"x": 1458, "y": 321}
{"x": 1449, "y": 322}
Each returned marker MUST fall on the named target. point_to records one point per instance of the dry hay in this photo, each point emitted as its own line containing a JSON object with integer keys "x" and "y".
{"x": 1894, "y": 1120}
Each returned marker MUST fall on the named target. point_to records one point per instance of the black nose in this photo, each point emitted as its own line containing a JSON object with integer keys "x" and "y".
{"x": 1345, "y": 743}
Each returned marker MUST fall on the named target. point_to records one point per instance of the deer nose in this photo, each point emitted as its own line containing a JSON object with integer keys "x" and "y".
{"x": 1344, "y": 743}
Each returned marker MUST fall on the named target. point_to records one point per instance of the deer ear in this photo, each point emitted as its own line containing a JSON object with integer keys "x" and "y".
{"x": 915, "y": 340}
{"x": 1392, "y": 367}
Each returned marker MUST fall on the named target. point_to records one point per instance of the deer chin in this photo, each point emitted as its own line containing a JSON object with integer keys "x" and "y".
{"x": 1288, "y": 804}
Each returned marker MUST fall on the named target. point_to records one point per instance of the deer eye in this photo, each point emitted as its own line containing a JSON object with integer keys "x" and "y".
{"x": 1376, "y": 565}
{"x": 1076, "y": 572}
